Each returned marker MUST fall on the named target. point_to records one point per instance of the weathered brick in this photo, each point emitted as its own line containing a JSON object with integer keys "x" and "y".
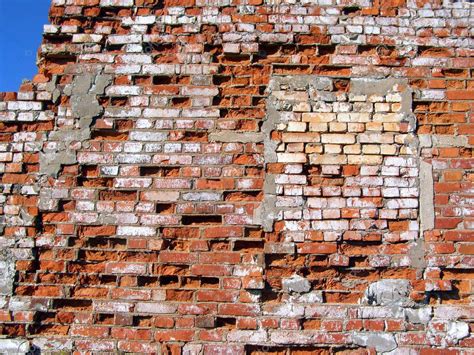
{"x": 268, "y": 173}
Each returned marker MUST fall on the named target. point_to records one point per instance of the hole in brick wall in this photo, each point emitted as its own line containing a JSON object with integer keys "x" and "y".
{"x": 45, "y": 317}
{"x": 148, "y": 281}
{"x": 209, "y": 282}
{"x": 215, "y": 51}
{"x": 201, "y": 219}
{"x": 221, "y": 79}
{"x": 169, "y": 281}
{"x": 95, "y": 182}
{"x": 355, "y": 261}
{"x": 66, "y": 205}
{"x": 311, "y": 170}
{"x": 243, "y": 195}
{"x": 105, "y": 243}
{"x": 349, "y": 10}
{"x": 162, "y": 80}
{"x": 118, "y": 101}
{"x": 176, "y": 245}
{"x": 195, "y": 136}
{"x": 190, "y": 282}
{"x": 219, "y": 245}
{"x": 161, "y": 48}
{"x": 108, "y": 12}
{"x": 222, "y": 322}
{"x": 123, "y": 125}
{"x": 258, "y": 101}
{"x": 429, "y": 51}
{"x": 248, "y": 246}
{"x": 254, "y": 172}
{"x": 268, "y": 49}
{"x": 158, "y": 4}
{"x": 143, "y": 80}
{"x": 443, "y": 296}
{"x": 92, "y": 255}
{"x": 56, "y": 39}
{"x": 342, "y": 85}
{"x": 118, "y": 195}
{"x": 53, "y": 63}
{"x": 114, "y": 47}
{"x": 165, "y": 208}
{"x": 14, "y": 330}
{"x": 90, "y": 170}
{"x": 159, "y": 171}
{"x": 117, "y": 243}
{"x": 367, "y": 49}
{"x": 329, "y": 70}
{"x": 181, "y": 102}
{"x": 220, "y": 101}
{"x": 209, "y": 29}
{"x": 72, "y": 305}
{"x": 108, "y": 280}
{"x": 269, "y": 296}
{"x": 291, "y": 69}
{"x": 104, "y": 318}
{"x": 326, "y": 49}
{"x": 454, "y": 72}
{"x": 142, "y": 321}
{"x": 253, "y": 232}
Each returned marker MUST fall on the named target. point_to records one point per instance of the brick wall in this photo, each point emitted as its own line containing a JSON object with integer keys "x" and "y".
{"x": 241, "y": 176}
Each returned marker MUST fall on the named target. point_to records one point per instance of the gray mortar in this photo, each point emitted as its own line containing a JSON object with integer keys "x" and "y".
{"x": 382, "y": 342}
{"x": 416, "y": 253}
{"x": 427, "y": 215}
{"x": 85, "y": 107}
{"x": 419, "y": 316}
{"x": 392, "y": 292}
{"x": 297, "y": 284}
{"x": 268, "y": 212}
{"x": 7, "y": 272}
{"x": 52, "y": 87}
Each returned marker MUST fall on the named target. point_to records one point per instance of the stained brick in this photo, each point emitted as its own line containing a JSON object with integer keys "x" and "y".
{"x": 177, "y": 165}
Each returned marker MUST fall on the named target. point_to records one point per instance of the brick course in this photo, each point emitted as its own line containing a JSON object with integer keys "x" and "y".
{"x": 241, "y": 176}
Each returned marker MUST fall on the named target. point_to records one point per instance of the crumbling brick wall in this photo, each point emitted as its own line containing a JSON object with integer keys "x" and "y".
{"x": 241, "y": 176}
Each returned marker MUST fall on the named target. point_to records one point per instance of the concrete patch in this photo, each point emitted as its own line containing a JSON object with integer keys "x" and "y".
{"x": 420, "y": 315}
{"x": 14, "y": 346}
{"x": 427, "y": 214}
{"x": 394, "y": 292}
{"x": 457, "y": 331}
{"x": 7, "y": 272}
{"x": 382, "y": 342}
{"x": 84, "y": 107}
{"x": 296, "y": 283}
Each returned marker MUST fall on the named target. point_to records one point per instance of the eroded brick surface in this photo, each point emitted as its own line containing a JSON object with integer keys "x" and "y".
{"x": 213, "y": 177}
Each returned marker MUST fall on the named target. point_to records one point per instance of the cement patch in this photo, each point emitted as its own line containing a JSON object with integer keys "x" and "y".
{"x": 427, "y": 215}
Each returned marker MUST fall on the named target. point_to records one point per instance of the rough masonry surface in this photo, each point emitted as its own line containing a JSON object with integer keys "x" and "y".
{"x": 241, "y": 177}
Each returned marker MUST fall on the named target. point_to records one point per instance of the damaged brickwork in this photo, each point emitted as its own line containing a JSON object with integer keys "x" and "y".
{"x": 241, "y": 177}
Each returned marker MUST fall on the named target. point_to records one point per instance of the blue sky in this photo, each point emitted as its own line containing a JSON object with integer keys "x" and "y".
{"x": 21, "y": 28}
